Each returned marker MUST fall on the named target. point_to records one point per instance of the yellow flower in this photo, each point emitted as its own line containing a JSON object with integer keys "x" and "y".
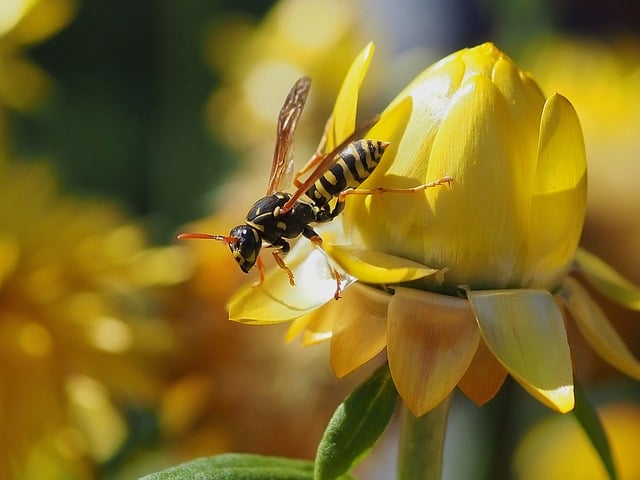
{"x": 295, "y": 38}
{"x": 24, "y": 23}
{"x": 557, "y": 447}
{"x": 503, "y": 235}
{"x": 514, "y": 215}
{"x": 80, "y": 332}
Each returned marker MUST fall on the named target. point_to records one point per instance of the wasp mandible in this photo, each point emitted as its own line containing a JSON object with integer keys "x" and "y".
{"x": 319, "y": 198}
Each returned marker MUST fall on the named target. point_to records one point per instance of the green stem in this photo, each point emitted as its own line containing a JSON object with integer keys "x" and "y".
{"x": 422, "y": 443}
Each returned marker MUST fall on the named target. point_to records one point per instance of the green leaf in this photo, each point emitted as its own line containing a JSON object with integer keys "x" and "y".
{"x": 587, "y": 416}
{"x": 356, "y": 425}
{"x": 237, "y": 466}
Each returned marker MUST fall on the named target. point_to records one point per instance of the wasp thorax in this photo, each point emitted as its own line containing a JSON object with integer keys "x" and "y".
{"x": 246, "y": 247}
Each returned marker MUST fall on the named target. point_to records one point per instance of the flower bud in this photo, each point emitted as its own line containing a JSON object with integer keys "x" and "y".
{"x": 513, "y": 214}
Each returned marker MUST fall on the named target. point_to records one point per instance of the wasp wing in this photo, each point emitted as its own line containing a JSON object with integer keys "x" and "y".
{"x": 327, "y": 161}
{"x": 287, "y": 122}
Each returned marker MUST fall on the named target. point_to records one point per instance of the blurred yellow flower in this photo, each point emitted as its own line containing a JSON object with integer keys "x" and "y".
{"x": 557, "y": 447}
{"x": 258, "y": 64}
{"x": 80, "y": 335}
{"x": 504, "y": 235}
{"x": 24, "y": 23}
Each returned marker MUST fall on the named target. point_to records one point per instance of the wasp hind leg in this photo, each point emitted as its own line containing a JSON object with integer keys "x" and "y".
{"x": 340, "y": 202}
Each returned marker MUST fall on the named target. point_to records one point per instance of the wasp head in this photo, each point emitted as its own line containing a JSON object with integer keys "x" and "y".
{"x": 245, "y": 246}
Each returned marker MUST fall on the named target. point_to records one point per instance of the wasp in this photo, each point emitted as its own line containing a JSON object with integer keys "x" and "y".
{"x": 280, "y": 216}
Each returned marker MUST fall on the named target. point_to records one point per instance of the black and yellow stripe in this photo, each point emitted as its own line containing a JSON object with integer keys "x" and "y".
{"x": 354, "y": 164}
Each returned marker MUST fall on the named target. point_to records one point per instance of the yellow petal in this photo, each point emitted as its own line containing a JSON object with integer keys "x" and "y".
{"x": 431, "y": 340}
{"x": 345, "y": 109}
{"x": 607, "y": 281}
{"x": 276, "y": 301}
{"x": 360, "y": 327}
{"x": 370, "y": 266}
{"x": 562, "y": 161}
{"x": 484, "y": 376}
{"x": 526, "y": 101}
{"x": 558, "y": 197}
{"x": 319, "y": 326}
{"x": 298, "y": 325}
{"x": 390, "y": 127}
{"x": 420, "y": 226}
{"x": 43, "y": 20}
{"x": 476, "y": 145}
{"x": 597, "y": 330}
{"x": 524, "y": 330}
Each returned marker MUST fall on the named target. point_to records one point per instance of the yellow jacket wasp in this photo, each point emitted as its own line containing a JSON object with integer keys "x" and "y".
{"x": 279, "y": 216}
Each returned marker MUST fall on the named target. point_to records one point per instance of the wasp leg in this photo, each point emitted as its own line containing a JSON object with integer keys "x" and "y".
{"x": 337, "y": 210}
{"x": 316, "y": 241}
{"x": 280, "y": 261}
{"x": 313, "y": 237}
{"x": 337, "y": 294}
{"x": 260, "y": 265}
{"x": 316, "y": 157}
{"x": 282, "y": 248}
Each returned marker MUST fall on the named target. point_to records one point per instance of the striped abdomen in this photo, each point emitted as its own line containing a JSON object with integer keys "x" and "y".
{"x": 355, "y": 163}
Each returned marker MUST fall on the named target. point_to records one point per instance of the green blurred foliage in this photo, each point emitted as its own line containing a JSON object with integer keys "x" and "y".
{"x": 126, "y": 116}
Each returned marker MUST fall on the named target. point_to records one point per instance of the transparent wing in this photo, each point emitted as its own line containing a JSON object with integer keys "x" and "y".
{"x": 287, "y": 123}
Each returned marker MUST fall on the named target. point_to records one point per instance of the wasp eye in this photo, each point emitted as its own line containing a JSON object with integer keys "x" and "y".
{"x": 247, "y": 246}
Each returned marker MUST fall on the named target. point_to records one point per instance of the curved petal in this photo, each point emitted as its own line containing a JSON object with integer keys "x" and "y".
{"x": 42, "y": 20}
{"x": 484, "y": 377}
{"x": 370, "y": 266}
{"x": 559, "y": 195}
{"x": 277, "y": 301}
{"x": 595, "y": 327}
{"x": 298, "y": 326}
{"x": 562, "y": 163}
{"x": 431, "y": 340}
{"x": 360, "y": 328}
{"x": 319, "y": 327}
{"x": 390, "y": 127}
{"x": 343, "y": 122}
{"x": 607, "y": 281}
{"x": 524, "y": 329}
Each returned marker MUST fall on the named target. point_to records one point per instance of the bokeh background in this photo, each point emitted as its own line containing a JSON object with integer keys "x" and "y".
{"x": 123, "y": 123}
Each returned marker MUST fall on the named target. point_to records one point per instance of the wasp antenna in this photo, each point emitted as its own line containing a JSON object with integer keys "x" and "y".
{"x": 206, "y": 236}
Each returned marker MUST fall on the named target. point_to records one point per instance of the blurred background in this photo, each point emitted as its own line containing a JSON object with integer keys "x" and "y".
{"x": 123, "y": 123}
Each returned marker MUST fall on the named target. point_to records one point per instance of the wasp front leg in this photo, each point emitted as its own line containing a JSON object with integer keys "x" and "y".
{"x": 282, "y": 247}
{"x": 260, "y": 265}
{"x": 313, "y": 237}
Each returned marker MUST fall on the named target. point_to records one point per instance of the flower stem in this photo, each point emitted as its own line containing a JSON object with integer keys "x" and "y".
{"x": 422, "y": 443}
